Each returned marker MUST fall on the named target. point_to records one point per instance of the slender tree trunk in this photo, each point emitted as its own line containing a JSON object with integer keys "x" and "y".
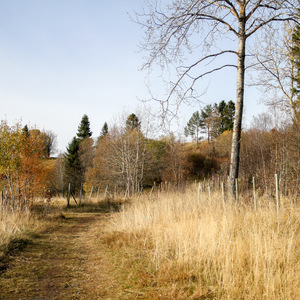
{"x": 237, "y": 126}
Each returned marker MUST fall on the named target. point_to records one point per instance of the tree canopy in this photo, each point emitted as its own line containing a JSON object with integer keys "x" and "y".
{"x": 84, "y": 128}
{"x": 213, "y": 120}
{"x": 104, "y": 130}
{"x": 194, "y": 126}
{"x": 132, "y": 122}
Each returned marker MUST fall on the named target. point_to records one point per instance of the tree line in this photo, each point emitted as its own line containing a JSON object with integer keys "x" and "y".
{"x": 213, "y": 120}
{"x": 125, "y": 159}
{"x": 24, "y": 163}
{"x": 125, "y": 156}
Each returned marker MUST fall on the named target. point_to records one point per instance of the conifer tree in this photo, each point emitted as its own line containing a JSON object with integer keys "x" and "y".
{"x": 72, "y": 164}
{"x": 103, "y": 133}
{"x": 72, "y": 159}
{"x": 104, "y": 130}
{"x": 211, "y": 120}
{"x": 132, "y": 122}
{"x": 193, "y": 126}
{"x": 84, "y": 128}
{"x": 226, "y": 111}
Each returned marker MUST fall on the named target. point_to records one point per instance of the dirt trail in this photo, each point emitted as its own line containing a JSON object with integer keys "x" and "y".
{"x": 68, "y": 262}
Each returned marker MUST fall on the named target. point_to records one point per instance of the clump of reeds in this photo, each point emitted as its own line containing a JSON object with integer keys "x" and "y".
{"x": 230, "y": 251}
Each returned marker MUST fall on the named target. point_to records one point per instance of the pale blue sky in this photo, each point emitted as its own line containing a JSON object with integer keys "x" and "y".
{"x": 61, "y": 59}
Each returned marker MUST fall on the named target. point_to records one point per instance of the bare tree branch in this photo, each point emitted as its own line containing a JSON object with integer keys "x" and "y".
{"x": 171, "y": 27}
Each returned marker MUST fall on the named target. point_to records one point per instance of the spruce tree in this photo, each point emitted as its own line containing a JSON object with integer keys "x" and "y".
{"x": 72, "y": 157}
{"x": 84, "y": 128}
{"x": 104, "y": 131}
{"x": 73, "y": 165}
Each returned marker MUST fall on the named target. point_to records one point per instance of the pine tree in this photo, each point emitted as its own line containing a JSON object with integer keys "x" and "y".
{"x": 132, "y": 122}
{"x": 104, "y": 130}
{"x": 72, "y": 158}
{"x": 193, "y": 126}
{"x": 211, "y": 120}
{"x": 84, "y": 128}
{"x": 72, "y": 164}
{"x": 226, "y": 111}
{"x": 103, "y": 133}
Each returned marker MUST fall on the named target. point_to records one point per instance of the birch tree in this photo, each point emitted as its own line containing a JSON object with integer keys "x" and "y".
{"x": 174, "y": 28}
{"x": 120, "y": 158}
{"x": 277, "y": 71}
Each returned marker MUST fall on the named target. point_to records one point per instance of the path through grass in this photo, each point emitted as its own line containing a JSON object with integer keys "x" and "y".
{"x": 70, "y": 260}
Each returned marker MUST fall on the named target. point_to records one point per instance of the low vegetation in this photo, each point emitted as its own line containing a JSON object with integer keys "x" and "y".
{"x": 203, "y": 248}
{"x": 181, "y": 244}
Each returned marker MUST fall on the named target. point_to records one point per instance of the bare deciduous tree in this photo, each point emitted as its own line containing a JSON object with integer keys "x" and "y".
{"x": 120, "y": 159}
{"x": 174, "y": 28}
{"x": 276, "y": 70}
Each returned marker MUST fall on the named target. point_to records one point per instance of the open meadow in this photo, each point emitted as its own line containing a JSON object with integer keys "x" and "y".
{"x": 176, "y": 245}
{"x": 202, "y": 248}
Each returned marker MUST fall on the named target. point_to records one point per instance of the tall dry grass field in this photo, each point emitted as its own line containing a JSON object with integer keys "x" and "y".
{"x": 13, "y": 226}
{"x": 220, "y": 250}
{"x": 18, "y": 225}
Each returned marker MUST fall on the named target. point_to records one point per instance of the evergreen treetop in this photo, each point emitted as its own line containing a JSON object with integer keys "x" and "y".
{"x": 84, "y": 128}
{"x": 72, "y": 155}
{"x": 132, "y": 122}
{"x": 104, "y": 130}
{"x": 103, "y": 133}
{"x": 193, "y": 126}
{"x": 213, "y": 119}
{"x": 227, "y": 111}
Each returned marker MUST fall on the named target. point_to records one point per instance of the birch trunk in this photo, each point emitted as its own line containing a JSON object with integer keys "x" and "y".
{"x": 237, "y": 126}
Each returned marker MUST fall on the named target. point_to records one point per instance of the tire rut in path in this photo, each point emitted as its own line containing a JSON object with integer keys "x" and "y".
{"x": 60, "y": 264}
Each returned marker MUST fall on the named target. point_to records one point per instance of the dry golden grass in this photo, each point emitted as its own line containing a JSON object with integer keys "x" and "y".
{"x": 177, "y": 246}
{"x": 19, "y": 225}
{"x": 15, "y": 226}
{"x": 204, "y": 248}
